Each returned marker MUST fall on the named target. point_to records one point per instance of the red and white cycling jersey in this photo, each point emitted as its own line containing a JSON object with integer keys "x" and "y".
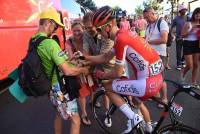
{"x": 144, "y": 60}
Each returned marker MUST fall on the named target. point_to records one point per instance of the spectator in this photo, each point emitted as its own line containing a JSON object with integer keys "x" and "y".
{"x": 73, "y": 44}
{"x": 157, "y": 39}
{"x": 169, "y": 43}
{"x": 124, "y": 24}
{"x": 140, "y": 25}
{"x": 95, "y": 44}
{"x": 179, "y": 22}
{"x": 129, "y": 20}
{"x": 50, "y": 54}
{"x": 191, "y": 48}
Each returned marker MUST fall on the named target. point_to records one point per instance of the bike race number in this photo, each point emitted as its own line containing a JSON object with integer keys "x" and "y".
{"x": 156, "y": 68}
{"x": 177, "y": 109}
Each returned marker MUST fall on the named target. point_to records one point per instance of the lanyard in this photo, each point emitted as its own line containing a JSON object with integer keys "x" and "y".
{"x": 151, "y": 32}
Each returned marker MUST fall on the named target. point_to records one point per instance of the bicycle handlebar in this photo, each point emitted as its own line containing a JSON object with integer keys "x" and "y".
{"x": 187, "y": 88}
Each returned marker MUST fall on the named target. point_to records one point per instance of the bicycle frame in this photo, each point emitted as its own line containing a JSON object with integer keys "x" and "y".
{"x": 188, "y": 89}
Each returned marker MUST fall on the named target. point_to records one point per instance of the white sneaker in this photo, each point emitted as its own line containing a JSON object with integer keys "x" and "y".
{"x": 196, "y": 85}
{"x": 179, "y": 67}
{"x": 108, "y": 121}
{"x": 183, "y": 64}
{"x": 131, "y": 123}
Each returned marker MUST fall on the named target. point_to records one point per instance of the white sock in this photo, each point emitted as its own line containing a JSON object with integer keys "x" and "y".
{"x": 127, "y": 111}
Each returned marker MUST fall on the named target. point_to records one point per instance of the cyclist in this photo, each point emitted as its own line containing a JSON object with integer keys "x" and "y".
{"x": 146, "y": 65}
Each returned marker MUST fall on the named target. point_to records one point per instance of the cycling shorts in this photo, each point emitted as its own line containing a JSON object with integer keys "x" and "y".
{"x": 142, "y": 88}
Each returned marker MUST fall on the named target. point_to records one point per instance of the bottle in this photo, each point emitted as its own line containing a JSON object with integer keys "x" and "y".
{"x": 57, "y": 92}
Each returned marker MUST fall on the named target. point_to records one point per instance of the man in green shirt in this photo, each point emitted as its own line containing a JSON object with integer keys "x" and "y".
{"x": 50, "y": 54}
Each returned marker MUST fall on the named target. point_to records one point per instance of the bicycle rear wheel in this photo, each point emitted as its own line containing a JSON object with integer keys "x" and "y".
{"x": 119, "y": 120}
{"x": 178, "y": 129}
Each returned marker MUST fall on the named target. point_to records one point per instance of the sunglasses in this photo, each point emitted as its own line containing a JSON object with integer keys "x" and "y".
{"x": 103, "y": 26}
{"x": 54, "y": 24}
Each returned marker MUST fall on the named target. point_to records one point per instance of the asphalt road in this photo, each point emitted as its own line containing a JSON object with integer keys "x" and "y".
{"x": 36, "y": 116}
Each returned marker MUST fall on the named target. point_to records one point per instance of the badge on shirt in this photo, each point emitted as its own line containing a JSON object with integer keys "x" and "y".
{"x": 61, "y": 53}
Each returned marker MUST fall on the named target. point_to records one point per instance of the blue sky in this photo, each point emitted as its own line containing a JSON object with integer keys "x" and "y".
{"x": 128, "y": 5}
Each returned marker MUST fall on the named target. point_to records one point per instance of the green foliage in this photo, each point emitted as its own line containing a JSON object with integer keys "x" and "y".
{"x": 87, "y": 3}
{"x": 138, "y": 10}
{"x": 152, "y": 3}
{"x": 117, "y": 8}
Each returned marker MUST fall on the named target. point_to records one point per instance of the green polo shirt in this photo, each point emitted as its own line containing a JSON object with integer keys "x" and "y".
{"x": 50, "y": 53}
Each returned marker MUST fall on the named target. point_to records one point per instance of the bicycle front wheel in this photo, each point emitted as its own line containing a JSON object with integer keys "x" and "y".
{"x": 177, "y": 129}
{"x": 118, "y": 119}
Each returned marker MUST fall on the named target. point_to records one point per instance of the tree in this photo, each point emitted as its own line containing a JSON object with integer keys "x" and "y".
{"x": 138, "y": 10}
{"x": 87, "y": 3}
{"x": 174, "y": 5}
{"x": 152, "y": 3}
{"x": 117, "y": 9}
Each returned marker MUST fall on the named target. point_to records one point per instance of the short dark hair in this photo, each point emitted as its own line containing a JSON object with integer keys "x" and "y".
{"x": 196, "y": 11}
{"x": 42, "y": 21}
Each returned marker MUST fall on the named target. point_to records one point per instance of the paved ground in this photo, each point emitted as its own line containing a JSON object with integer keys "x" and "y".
{"x": 36, "y": 115}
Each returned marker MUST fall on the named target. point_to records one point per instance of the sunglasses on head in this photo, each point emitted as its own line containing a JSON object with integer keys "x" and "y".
{"x": 103, "y": 26}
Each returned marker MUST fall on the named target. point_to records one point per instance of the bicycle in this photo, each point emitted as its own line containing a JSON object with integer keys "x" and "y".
{"x": 172, "y": 108}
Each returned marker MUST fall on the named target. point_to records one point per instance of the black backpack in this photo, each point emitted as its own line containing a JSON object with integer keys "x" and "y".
{"x": 32, "y": 78}
{"x": 170, "y": 37}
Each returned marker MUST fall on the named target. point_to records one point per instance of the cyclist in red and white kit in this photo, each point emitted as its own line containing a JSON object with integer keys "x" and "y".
{"x": 145, "y": 63}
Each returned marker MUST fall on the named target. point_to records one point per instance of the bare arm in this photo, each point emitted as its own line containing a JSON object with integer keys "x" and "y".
{"x": 100, "y": 59}
{"x": 161, "y": 40}
{"x": 72, "y": 71}
{"x": 184, "y": 31}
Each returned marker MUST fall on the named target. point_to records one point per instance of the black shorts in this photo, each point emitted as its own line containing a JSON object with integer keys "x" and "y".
{"x": 190, "y": 47}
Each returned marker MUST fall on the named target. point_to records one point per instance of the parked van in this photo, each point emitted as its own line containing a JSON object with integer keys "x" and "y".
{"x": 19, "y": 21}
